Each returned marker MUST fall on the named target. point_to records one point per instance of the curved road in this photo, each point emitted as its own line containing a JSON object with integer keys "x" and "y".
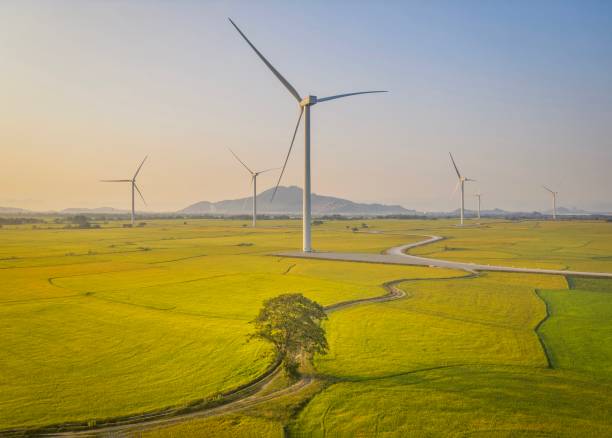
{"x": 398, "y": 256}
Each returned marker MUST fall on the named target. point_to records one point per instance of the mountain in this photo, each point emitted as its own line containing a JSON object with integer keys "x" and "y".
{"x": 288, "y": 200}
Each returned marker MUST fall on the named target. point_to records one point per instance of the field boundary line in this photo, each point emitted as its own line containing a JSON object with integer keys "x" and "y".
{"x": 537, "y": 328}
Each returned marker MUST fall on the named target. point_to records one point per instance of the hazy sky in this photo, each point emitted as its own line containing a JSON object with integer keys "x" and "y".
{"x": 520, "y": 92}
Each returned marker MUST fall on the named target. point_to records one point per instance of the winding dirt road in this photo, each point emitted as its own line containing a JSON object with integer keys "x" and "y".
{"x": 398, "y": 256}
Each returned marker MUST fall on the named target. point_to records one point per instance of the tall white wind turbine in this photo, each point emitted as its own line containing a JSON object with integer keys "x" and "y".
{"x": 304, "y": 104}
{"x": 478, "y": 196}
{"x": 134, "y": 186}
{"x": 254, "y": 176}
{"x": 554, "y": 202}
{"x": 461, "y": 182}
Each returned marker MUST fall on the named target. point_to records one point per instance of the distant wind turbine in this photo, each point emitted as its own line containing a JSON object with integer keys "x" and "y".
{"x": 478, "y": 196}
{"x": 134, "y": 186}
{"x": 461, "y": 182}
{"x": 304, "y": 103}
{"x": 254, "y": 176}
{"x": 554, "y": 201}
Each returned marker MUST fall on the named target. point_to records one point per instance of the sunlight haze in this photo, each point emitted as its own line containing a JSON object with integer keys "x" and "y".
{"x": 519, "y": 92}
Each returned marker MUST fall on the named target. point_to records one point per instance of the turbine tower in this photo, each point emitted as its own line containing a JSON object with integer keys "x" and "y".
{"x": 554, "y": 202}
{"x": 461, "y": 182}
{"x": 134, "y": 186}
{"x": 254, "y": 176}
{"x": 305, "y": 103}
{"x": 478, "y": 195}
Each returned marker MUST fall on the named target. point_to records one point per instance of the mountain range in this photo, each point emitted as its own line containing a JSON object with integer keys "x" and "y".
{"x": 288, "y": 200}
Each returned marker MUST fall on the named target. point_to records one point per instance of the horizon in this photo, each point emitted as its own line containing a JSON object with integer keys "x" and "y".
{"x": 91, "y": 88}
{"x": 247, "y": 207}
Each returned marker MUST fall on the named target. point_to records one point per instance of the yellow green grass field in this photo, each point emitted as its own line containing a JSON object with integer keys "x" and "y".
{"x": 109, "y": 322}
{"x": 462, "y": 357}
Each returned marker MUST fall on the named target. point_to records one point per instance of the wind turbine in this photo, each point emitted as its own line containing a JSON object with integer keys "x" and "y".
{"x": 462, "y": 181}
{"x": 304, "y": 104}
{"x": 134, "y": 186}
{"x": 554, "y": 201}
{"x": 478, "y": 195}
{"x": 254, "y": 176}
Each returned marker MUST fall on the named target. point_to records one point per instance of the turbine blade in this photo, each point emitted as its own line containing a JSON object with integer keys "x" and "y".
{"x": 546, "y": 188}
{"x": 253, "y": 179}
{"x": 280, "y": 77}
{"x": 141, "y": 197}
{"x": 140, "y": 167}
{"x": 297, "y": 125}
{"x": 115, "y": 180}
{"x": 338, "y": 96}
{"x": 470, "y": 179}
{"x": 454, "y": 165}
{"x": 241, "y": 162}
{"x": 268, "y": 170}
{"x": 457, "y": 186}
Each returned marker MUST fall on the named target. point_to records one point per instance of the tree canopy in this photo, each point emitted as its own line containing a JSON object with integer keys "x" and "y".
{"x": 291, "y": 322}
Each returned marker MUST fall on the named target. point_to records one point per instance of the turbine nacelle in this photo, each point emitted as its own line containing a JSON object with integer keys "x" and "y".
{"x": 308, "y": 101}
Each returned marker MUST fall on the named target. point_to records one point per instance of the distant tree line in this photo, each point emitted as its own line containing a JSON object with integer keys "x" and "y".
{"x": 20, "y": 220}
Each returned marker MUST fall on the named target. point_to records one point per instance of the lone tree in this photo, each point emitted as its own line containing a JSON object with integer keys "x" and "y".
{"x": 291, "y": 322}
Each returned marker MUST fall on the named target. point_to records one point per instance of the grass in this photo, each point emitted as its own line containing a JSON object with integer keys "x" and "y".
{"x": 461, "y": 357}
{"x": 462, "y": 401}
{"x": 483, "y": 320}
{"x": 579, "y": 330}
{"x": 576, "y": 245}
{"x": 108, "y": 322}
{"x": 223, "y": 427}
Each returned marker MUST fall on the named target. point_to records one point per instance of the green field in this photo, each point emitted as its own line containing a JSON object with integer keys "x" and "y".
{"x": 584, "y": 309}
{"x": 109, "y": 322}
{"x": 462, "y": 357}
